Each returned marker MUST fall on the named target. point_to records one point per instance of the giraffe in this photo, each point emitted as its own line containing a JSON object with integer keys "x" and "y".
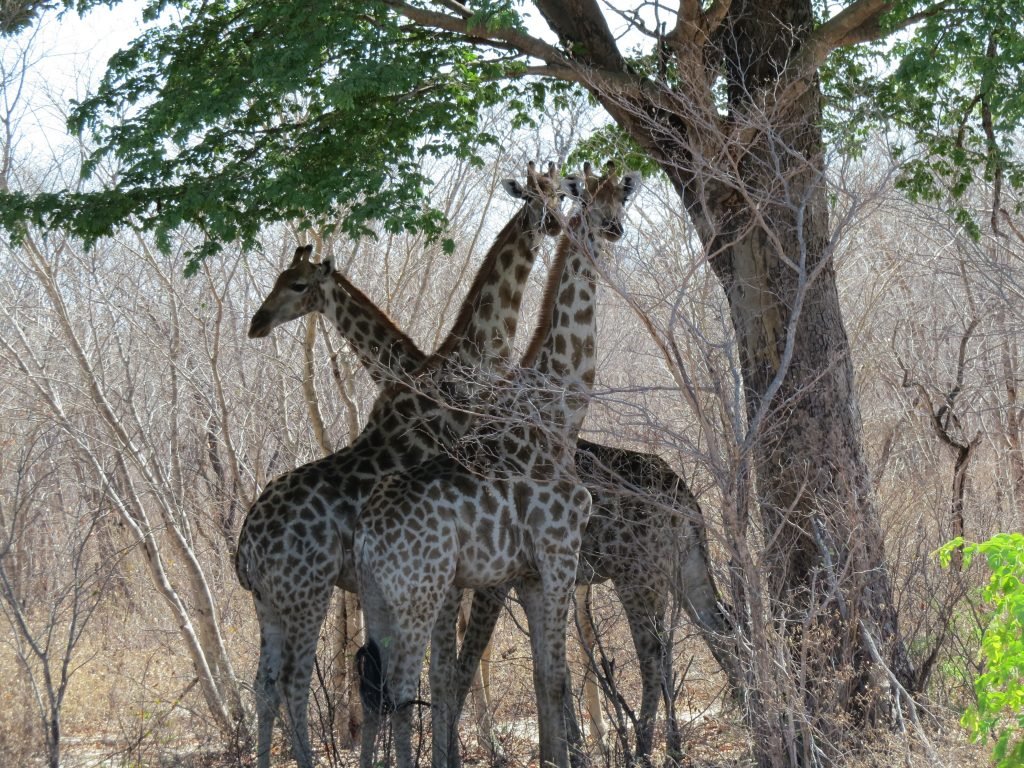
{"x": 646, "y": 533}
{"x": 509, "y": 508}
{"x": 295, "y": 543}
{"x": 647, "y": 536}
{"x": 387, "y": 353}
{"x": 637, "y": 499}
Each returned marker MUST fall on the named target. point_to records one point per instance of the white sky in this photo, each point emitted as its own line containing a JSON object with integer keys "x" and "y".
{"x": 67, "y": 55}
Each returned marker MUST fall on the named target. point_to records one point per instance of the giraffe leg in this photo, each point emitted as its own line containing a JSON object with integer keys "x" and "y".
{"x": 481, "y": 683}
{"x": 547, "y": 606}
{"x": 487, "y": 605}
{"x": 302, "y": 634}
{"x": 696, "y": 590}
{"x": 645, "y": 613}
{"x": 368, "y": 738}
{"x": 403, "y": 679}
{"x": 399, "y": 620}
{"x": 372, "y": 667}
{"x": 444, "y": 712}
{"x": 267, "y": 675}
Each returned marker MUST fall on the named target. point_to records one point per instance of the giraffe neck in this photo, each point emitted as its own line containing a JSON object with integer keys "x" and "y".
{"x": 382, "y": 348}
{"x": 562, "y": 351}
{"x": 417, "y": 418}
{"x": 485, "y": 327}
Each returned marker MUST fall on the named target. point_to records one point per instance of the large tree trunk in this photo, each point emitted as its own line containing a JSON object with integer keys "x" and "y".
{"x": 826, "y": 575}
{"x": 758, "y": 200}
{"x": 774, "y": 258}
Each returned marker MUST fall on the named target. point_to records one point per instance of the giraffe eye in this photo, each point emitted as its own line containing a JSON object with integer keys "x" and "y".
{"x": 298, "y": 287}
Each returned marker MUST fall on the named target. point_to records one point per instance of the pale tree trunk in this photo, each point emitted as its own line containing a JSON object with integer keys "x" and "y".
{"x": 309, "y": 393}
{"x": 341, "y": 372}
{"x": 587, "y": 644}
{"x": 135, "y": 464}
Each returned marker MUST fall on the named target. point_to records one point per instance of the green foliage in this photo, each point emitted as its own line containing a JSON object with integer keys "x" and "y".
{"x": 956, "y": 83}
{"x": 231, "y": 114}
{"x": 1000, "y": 688}
{"x": 851, "y": 97}
{"x": 611, "y": 143}
{"x": 16, "y": 15}
{"x": 491, "y": 15}
{"x": 246, "y": 112}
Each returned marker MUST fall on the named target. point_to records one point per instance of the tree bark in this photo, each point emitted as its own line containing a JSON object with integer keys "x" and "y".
{"x": 761, "y": 210}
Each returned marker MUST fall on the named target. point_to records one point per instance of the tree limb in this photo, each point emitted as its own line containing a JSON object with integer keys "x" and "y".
{"x": 583, "y": 30}
{"x": 858, "y": 23}
{"x": 520, "y": 41}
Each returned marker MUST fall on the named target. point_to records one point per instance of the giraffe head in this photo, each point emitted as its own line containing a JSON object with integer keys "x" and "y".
{"x": 542, "y": 196}
{"x": 297, "y": 291}
{"x": 602, "y": 199}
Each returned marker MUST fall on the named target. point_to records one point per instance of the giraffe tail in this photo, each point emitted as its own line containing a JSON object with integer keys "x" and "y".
{"x": 242, "y": 567}
{"x": 372, "y": 689}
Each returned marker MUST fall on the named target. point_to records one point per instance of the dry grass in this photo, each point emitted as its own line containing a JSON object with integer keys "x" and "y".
{"x": 132, "y": 703}
{"x": 133, "y": 699}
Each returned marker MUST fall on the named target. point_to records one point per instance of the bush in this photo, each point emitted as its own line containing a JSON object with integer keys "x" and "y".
{"x": 999, "y": 710}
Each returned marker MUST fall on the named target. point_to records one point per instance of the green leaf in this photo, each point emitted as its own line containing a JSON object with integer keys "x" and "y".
{"x": 1000, "y": 687}
{"x": 245, "y": 113}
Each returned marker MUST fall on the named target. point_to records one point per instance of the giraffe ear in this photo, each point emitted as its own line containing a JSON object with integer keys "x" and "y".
{"x": 630, "y": 184}
{"x": 324, "y": 269}
{"x": 514, "y": 188}
{"x": 574, "y": 186}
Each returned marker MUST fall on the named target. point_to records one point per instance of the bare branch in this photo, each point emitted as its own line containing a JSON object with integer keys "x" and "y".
{"x": 582, "y": 28}
{"x": 520, "y": 41}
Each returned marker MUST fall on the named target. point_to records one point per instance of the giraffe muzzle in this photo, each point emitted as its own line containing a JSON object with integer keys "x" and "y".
{"x": 612, "y": 230}
{"x": 260, "y": 326}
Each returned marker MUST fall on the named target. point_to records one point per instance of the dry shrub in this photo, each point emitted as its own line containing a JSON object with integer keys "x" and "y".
{"x": 20, "y": 735}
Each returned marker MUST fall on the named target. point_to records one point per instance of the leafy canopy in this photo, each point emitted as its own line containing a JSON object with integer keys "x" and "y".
{"x": 243, "y": 113}
{"x": 230, "y": 114}
{"x": 958, "y": 87}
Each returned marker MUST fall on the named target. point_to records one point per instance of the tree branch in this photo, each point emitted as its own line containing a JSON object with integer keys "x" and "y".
{"x": 457, "y": 7}
{"x": 858, "y": 23}
{"x": 696, "y": 26}
{"x": 583, "y": 30}
{"x": 520, "y": 41}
